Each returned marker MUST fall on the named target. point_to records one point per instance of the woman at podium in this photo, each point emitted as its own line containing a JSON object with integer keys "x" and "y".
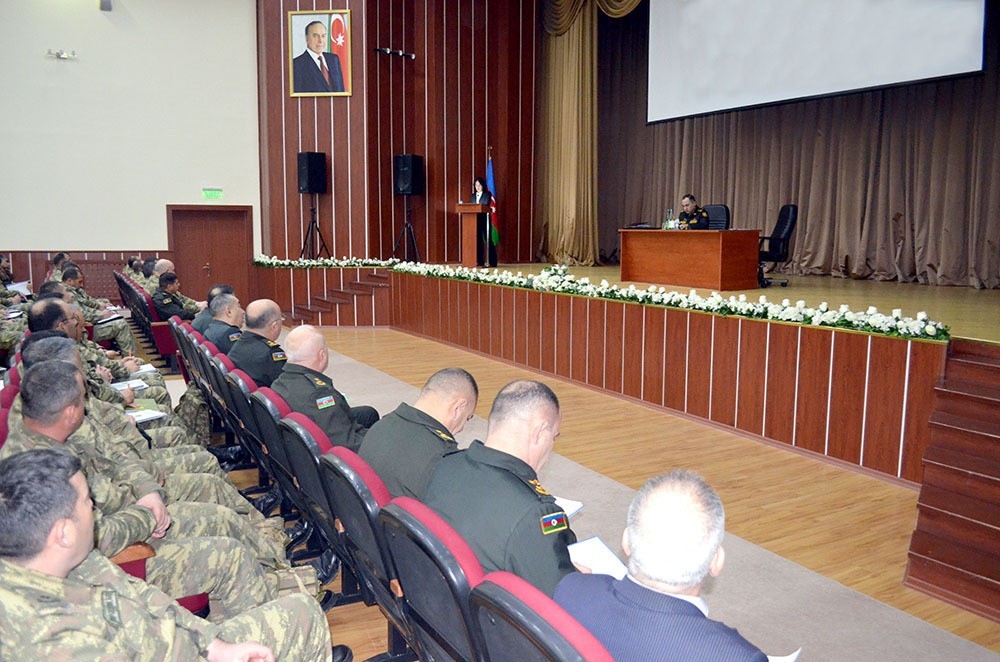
{"x": 484, "y": 246}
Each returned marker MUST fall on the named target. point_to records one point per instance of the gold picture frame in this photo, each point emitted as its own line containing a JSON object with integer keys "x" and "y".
{"x": 319, "y": 53}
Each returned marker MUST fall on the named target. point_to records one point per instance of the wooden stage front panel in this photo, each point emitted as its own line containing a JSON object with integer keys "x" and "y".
{"x": 854, "y": 397}
{"x": 716, "y": 259}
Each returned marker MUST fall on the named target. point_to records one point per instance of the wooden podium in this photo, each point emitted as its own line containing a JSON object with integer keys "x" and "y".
{"x": 467, "y": 212}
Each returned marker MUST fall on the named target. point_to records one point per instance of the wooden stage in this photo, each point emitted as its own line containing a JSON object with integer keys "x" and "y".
{"x": 970, "y": 313}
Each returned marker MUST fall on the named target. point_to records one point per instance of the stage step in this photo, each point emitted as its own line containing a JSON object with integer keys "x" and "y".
{"x": 975, "y": 401}
{"x": 955, "y": 549}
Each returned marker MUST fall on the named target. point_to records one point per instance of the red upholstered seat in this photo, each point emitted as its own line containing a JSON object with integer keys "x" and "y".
{"x": 318, "y": 437}
{"x": 8, "y": 394}
{"x": 518, "y": 621}
{"x": 247, "y": 379}
{"x": 364, "y": 471}
{"x": 226, "y": 361}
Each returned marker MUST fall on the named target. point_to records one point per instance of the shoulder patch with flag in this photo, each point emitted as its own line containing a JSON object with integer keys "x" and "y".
{"x": 324, "y": 402}
{"x": 554, "y": 522}
{"x": 278, "y": 356}
{"x": 235, "y": 335}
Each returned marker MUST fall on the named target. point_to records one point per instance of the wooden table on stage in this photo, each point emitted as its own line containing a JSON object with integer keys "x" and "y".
{"x": 713, "y": 259}
{"x": 467, "y": 212}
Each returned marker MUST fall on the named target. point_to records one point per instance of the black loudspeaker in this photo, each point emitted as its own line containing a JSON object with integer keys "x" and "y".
{"x": 312, "y": 172}
{"x": 408, "y": 174}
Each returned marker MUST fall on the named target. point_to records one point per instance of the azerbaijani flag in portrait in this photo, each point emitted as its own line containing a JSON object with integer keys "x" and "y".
{"x": 341, "y": 47}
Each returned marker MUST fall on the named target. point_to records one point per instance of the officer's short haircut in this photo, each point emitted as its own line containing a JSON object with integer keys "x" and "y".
{"x": 168, "y": 278}
{"x": 49, "y": 387}
{"x": 220, "y": 303}
{"x": 675, "y": 538}
{"x": 217, "y": 289}
{"x": 147, "y": 266}
{"x": 70, "y": 273}
{"x": 134, "y": 262}
{"x": 58, "y": 258}
{"x": 46, "y": 346}
{"x": 270, "y": 313}
{"x": 690, "y": 196}
{"x": 46, "y": 314}
{"x": 35, "y": 493}
{"x": 455, "y": 381}
{"x": 50, "y": 288}
{"x": 521, "y": 399}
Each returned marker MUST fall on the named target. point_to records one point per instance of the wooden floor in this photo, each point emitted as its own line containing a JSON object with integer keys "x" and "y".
{"x": 847, "y": 526}
{"x": 970, "y": 313}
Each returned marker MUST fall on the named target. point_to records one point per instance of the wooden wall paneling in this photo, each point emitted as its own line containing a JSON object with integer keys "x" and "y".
{"x": 580, "y": 329}
{"x": 496, "y": 320}
{"x": 725, "y": 360}
{"x": 366, "y": 305}
{"x": 564, "y": 334}
{"x": 508, "y": 322}
{"x": 614, "y": 328}
{"x": 847, "y": 396}
{"x": 595, "y": 348}
{"x": 397, "y": 284}
{"x": 355, "y": 168}
{"x": 459, "y": 313}
{"x": 380, "y": 306}
{"x": 521, "y": 327}
{"x": 548, "y": 324}
{"x": 632, "y": 345}
{"x": 408, "y": 296}
{"x": 485, "y": 320}
{"x": 675, "y": 359}
{"x": 441, "y": 312}
{"x": 884, "y": 410}
{"x": 431, "y": 312}
{"x": 699, "y": 361}
{"x": 926, "y": 366}
{"x": 300, "y": 280}
{"x": 652, "y": 354}
{"x": 813, "y": 389}
{"x": 782, "y": 360}
{"x": 752, "y": 373}
{"x": 534, "y": 330}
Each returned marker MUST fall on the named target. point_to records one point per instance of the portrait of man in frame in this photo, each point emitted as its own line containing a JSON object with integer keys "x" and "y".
{"x": 319, "y": 53}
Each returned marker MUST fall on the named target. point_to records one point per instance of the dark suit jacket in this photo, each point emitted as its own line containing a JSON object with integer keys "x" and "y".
{"x": 637, "y": 623}
{"x": 308, "y": 77}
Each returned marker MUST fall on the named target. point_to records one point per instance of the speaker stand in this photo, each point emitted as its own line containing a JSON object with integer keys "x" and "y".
{"x": 313, "y": 245}
{"x": 408, "y": 237}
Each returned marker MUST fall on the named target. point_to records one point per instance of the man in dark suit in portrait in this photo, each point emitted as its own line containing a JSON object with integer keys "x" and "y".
{"x": 674, "y": 542}
{"x": 316, "y": 70}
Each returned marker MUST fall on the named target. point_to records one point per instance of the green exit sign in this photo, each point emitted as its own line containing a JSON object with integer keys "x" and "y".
{"x": 211, "y": 193}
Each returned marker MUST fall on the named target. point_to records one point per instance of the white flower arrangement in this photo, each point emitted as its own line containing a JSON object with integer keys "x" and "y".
{"x": 271, "y": 262}
{"x": 556, "y": 279}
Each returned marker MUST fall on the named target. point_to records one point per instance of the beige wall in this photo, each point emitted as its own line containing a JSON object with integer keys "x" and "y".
{"x": 161, "y": 102}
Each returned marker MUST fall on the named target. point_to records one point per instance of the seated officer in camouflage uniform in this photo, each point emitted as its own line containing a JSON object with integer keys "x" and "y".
{"x": 60, "y": 598}
{"x": 55, "y": 273}
{"x": 165, "y": 267}
{"x": 166, "y": 301}
{"x": 204, "y": 318}
{"x": 405, "y": 445}
{"x": 490, "y": 493}
{"x": 257, "y": 352}
{"x": 227, "y": 318}
{"x": 50, "y": 425}
{"x": 95, "y": 310}
{"x": 308, "y": 391}
{"x": 132, "y": 502}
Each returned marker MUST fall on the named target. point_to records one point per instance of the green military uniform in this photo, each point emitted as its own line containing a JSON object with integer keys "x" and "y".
{"x": 223, "y": 335}
{"x": 259, "y": 357}
{"x": 99, "y": 612}
{"x": 167, "y": 305}
{"x": 93, "y": 356}
{"x": 6, "y": 296}
{"x": 56, "y": 275}
{"x": 494, "y": 500}
{"x": 93, "y": 312}
{"x": 202, "y": 320}
{"x": 115, "y": 486}
{"x": 404, "y": 447}
{"x": 696, "y": 220}
{"x": 12, "y": 330}
{"x": 312, "y": 393}
{"x": 117, "y": 419}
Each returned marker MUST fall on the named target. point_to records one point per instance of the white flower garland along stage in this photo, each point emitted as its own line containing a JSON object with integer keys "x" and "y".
{"x": 556, "y": 279}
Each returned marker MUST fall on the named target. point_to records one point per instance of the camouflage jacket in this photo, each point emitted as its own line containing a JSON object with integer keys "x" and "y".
{"x": 96, "y": 613}
{"x": 113, "y": 487}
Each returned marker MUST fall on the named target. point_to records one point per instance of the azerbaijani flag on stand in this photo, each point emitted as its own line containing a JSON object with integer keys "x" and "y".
{"x": 491, "y": 185}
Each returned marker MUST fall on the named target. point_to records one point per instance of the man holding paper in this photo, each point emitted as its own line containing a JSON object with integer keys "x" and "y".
{"x": 490, "y": 493}
{"x": 674, "y": 542}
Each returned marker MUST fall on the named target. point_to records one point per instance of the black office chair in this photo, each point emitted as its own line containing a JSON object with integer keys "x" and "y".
{"x": 778, "y": 245}
{"x": 718, "y": 217}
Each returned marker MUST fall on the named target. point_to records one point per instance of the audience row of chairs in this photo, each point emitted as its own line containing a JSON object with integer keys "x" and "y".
{"x": 396, "y": 553}
{"x": 155, "y": 331}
